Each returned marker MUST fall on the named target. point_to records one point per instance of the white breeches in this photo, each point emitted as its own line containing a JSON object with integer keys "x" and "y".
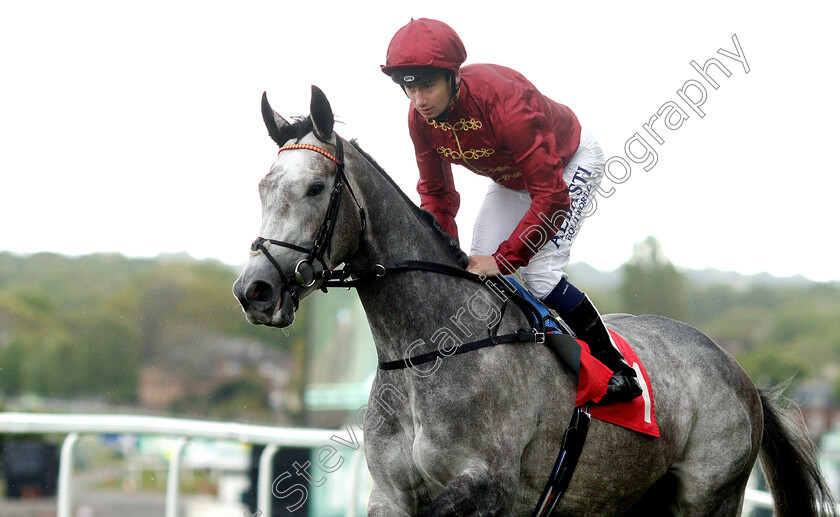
{"x": 502, "y": 209}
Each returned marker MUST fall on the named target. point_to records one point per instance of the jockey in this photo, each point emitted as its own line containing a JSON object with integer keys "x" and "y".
{"x": 545, "y": 170}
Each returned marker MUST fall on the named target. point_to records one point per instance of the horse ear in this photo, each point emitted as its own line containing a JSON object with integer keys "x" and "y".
{"x": 321, "y": 113}
{"x": 274, "y": 122}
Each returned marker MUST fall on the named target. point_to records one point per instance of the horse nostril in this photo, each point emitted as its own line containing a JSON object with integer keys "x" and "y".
{"x": 260, "y": 292}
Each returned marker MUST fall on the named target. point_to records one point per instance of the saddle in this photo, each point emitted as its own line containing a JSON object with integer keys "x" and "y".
{"x": 593, "y": 377}
{"x": 558, "y": 336}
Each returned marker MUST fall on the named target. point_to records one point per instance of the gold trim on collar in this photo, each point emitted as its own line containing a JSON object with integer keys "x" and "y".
{"x": 461, "y": 125}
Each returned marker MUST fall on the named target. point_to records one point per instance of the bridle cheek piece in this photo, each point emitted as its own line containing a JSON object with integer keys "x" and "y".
{"x": 304, "y": 274}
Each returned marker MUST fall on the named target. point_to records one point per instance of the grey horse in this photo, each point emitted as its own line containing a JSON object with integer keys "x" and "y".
{"x": 478, "y": 433}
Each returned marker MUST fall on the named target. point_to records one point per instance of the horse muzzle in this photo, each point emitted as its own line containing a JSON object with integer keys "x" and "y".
{"x": 267, "y": 303}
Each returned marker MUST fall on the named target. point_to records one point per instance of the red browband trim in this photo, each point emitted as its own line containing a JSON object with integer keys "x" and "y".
{"x": 309, "y": 147}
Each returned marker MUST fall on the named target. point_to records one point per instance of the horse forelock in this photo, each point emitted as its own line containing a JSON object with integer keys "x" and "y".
{"x": 300, "y": 127}
{"x": 423, "y": 215}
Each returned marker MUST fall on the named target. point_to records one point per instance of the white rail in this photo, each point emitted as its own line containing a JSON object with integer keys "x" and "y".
{"x": 183, "y": 429}
{"x": 757, "y": 499}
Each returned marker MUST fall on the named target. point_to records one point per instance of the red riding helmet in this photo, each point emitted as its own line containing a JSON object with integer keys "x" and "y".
{"x": 422, "y": 50}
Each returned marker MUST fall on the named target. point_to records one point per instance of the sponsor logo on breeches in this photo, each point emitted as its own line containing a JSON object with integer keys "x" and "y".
{"x": 580, "y": 191}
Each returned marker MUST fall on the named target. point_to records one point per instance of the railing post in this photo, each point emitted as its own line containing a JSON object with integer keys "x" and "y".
{"x": 356, "y": 463}
{"x": 173, "y": 478}
{"x": 64, "y": 502}
{"x": 73, "y": 426}
{"x": 264, "y": 479}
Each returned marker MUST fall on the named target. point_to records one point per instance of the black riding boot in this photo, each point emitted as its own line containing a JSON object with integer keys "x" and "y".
{"x": 586, "y": 323}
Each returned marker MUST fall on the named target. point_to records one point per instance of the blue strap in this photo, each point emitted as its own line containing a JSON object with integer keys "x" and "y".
{"x": 551, "y": 324}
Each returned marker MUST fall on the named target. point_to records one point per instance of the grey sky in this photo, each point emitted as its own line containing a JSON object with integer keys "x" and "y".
{"x": 135, "y": 127}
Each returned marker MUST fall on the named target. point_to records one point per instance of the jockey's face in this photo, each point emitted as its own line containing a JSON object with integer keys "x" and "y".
{"x": 432, "y": 97}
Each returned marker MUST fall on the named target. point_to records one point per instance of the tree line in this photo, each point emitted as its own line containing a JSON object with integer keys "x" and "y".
{"x": 85, "y": 326}
{"x": 776, "y": 329}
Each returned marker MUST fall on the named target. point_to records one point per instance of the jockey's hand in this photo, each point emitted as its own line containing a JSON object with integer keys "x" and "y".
{"x": 483, "y": 265}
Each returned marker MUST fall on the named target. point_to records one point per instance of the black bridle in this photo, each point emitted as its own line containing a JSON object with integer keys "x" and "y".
{"x": 304, "y": 274}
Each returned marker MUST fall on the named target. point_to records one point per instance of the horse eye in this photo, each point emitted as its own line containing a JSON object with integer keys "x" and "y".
{"x": 315, "y": 189}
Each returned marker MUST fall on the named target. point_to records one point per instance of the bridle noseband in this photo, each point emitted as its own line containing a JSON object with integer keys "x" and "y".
{"x": 304, "y": 274}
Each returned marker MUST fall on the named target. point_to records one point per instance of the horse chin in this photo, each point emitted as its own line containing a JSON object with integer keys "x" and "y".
{"x": 284, "y": 313}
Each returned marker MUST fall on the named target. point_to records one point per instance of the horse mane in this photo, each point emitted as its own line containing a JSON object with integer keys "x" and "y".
{"x": 425, "y": 216}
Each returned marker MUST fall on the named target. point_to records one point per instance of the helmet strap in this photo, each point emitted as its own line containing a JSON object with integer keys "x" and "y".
{"x": 454, "y": 88}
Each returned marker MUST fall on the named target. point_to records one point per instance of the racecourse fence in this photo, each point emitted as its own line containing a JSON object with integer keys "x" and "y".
{"x": 184, "y": 430}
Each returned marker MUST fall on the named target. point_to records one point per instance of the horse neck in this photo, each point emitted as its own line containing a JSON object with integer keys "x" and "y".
{"x": 405, "y": 307}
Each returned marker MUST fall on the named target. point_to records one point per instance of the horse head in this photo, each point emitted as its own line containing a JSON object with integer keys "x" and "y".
{"x": 305, "y": 228}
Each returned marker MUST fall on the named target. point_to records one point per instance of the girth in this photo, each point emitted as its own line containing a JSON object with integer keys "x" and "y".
{"x": 522, "y": 336}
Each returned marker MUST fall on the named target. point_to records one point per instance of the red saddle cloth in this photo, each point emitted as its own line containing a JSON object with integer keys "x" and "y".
{"x": 637, "y": 414}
